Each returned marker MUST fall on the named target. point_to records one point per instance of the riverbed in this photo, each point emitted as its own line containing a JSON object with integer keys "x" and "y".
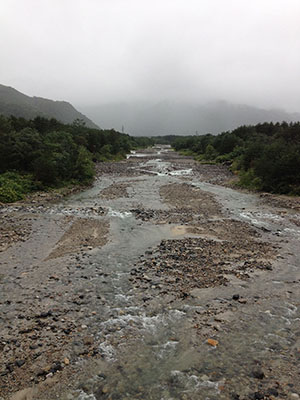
{"x": 159, "y": 282}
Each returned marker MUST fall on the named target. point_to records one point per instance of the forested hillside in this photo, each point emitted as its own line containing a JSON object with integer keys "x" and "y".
{"x": 265, "y": 156}
{"x": 13, "y": 102}
{"x": 42, "y": 153}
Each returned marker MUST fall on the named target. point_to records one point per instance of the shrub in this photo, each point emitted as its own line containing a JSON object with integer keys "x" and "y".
{"x": 249, "y": 180}
{"x": 14, "y": 186}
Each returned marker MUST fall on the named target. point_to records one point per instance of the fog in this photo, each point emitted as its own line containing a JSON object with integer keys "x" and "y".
{"x": 93, "y": 52}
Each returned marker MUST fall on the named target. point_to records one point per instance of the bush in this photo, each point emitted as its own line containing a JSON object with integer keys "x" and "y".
{"x": 14, "y": 186}
{"x": 9, "y": 194}
{"x": 84, "y": 167}
{"x": 249, "y": 180}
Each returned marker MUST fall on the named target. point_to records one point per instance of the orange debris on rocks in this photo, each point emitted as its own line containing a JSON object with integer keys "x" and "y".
{"x": 212, "y": 342}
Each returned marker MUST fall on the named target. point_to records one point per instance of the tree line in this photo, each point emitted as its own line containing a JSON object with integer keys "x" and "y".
{"x": 45, "y": 153}
{"x": 265, "y": 156}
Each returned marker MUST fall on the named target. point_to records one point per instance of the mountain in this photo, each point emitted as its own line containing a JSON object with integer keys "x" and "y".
{"x": 142, "y": 119}
{"x": 18, "y": 104}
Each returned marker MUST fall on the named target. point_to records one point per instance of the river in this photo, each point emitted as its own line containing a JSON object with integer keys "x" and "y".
{"x": 236, "y": 336}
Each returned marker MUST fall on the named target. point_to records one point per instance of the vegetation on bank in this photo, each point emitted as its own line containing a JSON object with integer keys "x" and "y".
{"x": 43, "y": 153}
{"x": 265, "y": 156}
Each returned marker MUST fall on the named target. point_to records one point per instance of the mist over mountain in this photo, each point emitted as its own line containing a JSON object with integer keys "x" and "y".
{"x": 13, "y": 102}
{"x": 182, "y": 118}
{"x": 144, "y": 118}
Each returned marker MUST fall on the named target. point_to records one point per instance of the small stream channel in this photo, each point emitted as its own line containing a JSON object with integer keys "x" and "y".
{"x": 152, "y": 352}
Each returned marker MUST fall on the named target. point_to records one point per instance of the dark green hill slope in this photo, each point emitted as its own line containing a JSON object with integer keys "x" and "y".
{"x": 13, "y": 102}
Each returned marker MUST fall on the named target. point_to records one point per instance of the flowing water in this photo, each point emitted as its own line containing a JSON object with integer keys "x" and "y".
{"x": 151, "y": 351}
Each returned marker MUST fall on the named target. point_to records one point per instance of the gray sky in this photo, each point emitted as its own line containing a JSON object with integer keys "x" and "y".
{"x": 99, "y": 51}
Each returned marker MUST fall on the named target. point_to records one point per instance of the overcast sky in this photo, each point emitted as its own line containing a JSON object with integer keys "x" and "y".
{"x": 99, "y": 51}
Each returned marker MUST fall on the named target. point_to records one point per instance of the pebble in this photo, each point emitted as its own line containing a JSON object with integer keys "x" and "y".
{"x": 105, "y": 389}
{"x": 204, "y": 378}
{"x": 258, "y": 374}
{"x": 19, "y": 363}
{"x": 294, "y": 396}
{"x": 258, "y": 396}
{"x": 88, "y": 340}
{"x": 212, "y": 342}
{"x": 272, "y": 392}
{"x": 66, "y": 361}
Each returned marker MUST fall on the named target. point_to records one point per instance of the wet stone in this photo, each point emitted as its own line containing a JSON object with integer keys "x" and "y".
{"x": 294, "y": 396}
{"x": 258, "y": 374}
{"x": 19, "y": 363}
{"x": 10, "y": 367}
{"x": 272, "y": 392}
{"x": 257, "y": 396}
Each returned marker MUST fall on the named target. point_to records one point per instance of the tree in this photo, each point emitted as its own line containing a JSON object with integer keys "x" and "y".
{"x": 84, "y": 167}
{"x": 210, "y": 152}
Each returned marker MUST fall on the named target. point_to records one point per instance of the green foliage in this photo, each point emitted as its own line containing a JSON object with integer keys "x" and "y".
{"x": 249, "y": 180}
{"x": 9, "y": 194}
{"x": 55, "y": 154}
{"x": 142, "y": 142}
{"x": 84, "y": 167}
{"x": 14, "y": 186}
{"x": 265, "y": 156}
{"x": 188, "y": 153}
{"x": 210, "y": 152}
{"x": 279, "y": 167}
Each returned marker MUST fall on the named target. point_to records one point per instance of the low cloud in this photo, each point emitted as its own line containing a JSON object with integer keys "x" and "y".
{"x": 91, "y": 52}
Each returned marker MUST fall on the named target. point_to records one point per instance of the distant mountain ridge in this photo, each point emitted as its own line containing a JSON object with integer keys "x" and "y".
{"x": 13, "y": 102}
{"x": 163, "y": 118}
